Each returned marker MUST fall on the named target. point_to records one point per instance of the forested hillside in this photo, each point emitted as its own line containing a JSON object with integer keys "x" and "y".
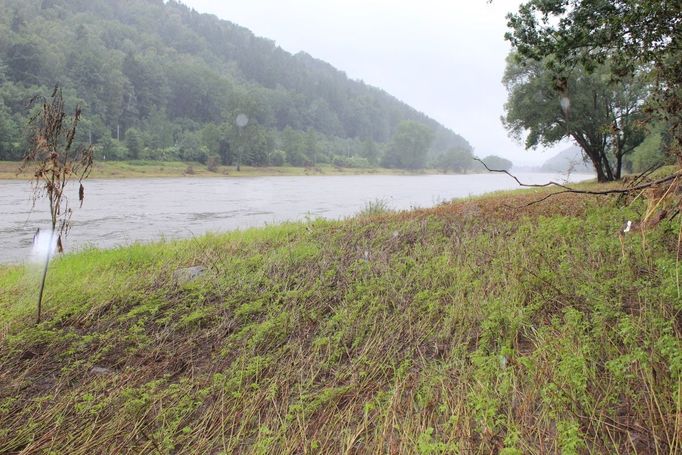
{"x": 160, "y": 81}
{"x": 568, "y": 160}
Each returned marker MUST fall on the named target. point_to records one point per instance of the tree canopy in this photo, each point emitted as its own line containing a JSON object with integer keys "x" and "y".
{"x": 602, "y": 116}
{"x": 631, "y": 35}
{"x": 175, "y": 80}
{"x": 455, "y": 159}
{"x": 409, "y": 146}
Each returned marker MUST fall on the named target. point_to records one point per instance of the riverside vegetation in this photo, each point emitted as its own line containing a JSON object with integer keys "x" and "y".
{"x": 473, "y": 327}
{"x": 9, "y": 170}
{"x": 159, "y": 81}
{"x": 479, "y": 326}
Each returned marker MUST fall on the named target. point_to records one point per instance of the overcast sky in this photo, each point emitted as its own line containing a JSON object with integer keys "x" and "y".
{"x": 443, "y": 57}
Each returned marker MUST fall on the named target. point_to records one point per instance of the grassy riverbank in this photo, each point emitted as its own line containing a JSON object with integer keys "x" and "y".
{"x": 147, "y": 169}
{"x": 479, "y": 326}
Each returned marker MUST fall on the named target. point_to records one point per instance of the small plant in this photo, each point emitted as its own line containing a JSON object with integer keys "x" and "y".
{"x": 376, "y": 207}
{"x": 55, "y": 161}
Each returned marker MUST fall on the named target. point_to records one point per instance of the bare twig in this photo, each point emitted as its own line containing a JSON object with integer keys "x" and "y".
{"x": 567, "y": 189}
{"x": 646, "y": 173}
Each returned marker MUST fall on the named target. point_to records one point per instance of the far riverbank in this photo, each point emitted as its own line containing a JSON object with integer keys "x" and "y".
{"x": 156, "y": 169}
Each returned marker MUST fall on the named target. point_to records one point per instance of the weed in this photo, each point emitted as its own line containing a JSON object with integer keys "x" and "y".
{"x": 375, "y": 207}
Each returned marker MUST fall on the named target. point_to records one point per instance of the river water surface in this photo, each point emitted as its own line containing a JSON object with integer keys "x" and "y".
{"x": 120, "y": 212}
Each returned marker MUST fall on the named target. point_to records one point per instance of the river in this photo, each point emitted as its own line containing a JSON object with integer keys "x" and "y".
{"x": 120, "y": 212}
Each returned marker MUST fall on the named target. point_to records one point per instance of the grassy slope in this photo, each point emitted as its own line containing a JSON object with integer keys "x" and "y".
{"x": 144, "y": 169}
{"x": 469, "y": 328}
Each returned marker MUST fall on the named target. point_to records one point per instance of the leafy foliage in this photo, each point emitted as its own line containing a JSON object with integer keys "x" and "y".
{"x": 409, "y": 147}
{"x": 175, "y": 80}
{"x": 455, "y": 159}
{"x": 632, "y": 35}
{"x": 603, "y": 117}
{"x": 651, "y": 152}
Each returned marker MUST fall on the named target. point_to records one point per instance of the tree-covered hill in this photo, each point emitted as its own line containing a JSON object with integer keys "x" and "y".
{"x": 158, "y": 80}
{"x": 568, "y": 160}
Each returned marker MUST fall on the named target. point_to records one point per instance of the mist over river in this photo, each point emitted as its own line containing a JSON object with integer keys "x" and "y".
{"x": 120, "y": 212}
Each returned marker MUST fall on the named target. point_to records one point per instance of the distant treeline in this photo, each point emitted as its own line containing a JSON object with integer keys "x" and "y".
{"x": 160, "y": 81}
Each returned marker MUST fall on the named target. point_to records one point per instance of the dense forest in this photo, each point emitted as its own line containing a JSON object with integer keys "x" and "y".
{"x": 159, "y": 81}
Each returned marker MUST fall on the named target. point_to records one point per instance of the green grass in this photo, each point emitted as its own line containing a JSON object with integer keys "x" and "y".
{"x": 155, "y": 169}
{"x": 474, "y": 327}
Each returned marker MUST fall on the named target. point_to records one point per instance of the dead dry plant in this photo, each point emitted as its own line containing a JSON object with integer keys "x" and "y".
{"x": 54, "y": 160}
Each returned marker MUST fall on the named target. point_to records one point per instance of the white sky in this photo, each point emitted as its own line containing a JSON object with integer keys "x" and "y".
{"x": 443, "y": 57}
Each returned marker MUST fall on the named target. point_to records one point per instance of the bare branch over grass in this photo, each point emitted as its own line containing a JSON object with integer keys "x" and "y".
{"x": 567, "y": 189}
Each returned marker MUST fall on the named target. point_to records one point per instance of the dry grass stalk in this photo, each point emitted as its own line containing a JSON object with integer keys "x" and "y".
{"x": 54, "y": 160}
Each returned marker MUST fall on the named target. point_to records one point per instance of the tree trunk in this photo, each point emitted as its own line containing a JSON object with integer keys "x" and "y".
{"x": 607, "y": 167}
{"x": 598, "y": 167}
{"x": 596, "y": 157}
{"x": 601, "y": 177}
{"x": 619, "y": 166}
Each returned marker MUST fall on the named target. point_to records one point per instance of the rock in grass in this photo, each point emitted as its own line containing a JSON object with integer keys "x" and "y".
{"x": 183, "y": 276}
{"x": 100, "y": 370}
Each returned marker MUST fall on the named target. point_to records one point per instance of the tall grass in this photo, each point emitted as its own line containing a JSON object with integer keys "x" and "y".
{"x": 469, "y": 328}
{"x": 375, "y": 207}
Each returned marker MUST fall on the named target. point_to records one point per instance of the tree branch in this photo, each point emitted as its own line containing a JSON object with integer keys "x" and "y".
{"x": 567, "y": 189}
{"x": 528, "y": 185}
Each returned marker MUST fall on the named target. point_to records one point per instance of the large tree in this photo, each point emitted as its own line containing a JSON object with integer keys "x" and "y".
{"x": 409, "y": 146}
{"x": 456, "y": 159}
{"x": 600, "y": 115}
{"x": 633, "y": 35}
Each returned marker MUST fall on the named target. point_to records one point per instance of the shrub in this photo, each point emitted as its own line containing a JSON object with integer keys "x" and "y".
{"x": 375, "y": 207}
{"x": 212, "y": 162}
{"x": 114, "y": 150}
{"x": 277, "y": 158}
